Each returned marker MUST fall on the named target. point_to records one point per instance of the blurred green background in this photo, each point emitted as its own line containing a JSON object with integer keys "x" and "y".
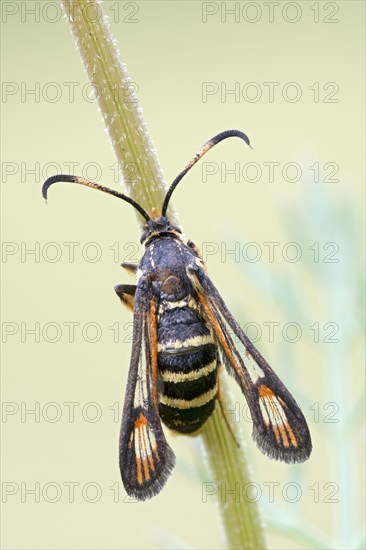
{"x": 184, "y": 58}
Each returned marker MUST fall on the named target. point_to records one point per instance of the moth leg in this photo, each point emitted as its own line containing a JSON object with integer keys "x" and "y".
{"x": 131, "y": 268}
{"x": 126, "y": 294}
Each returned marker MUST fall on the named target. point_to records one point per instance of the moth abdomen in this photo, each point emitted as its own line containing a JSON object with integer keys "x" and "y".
{"x": 187, "y": 360}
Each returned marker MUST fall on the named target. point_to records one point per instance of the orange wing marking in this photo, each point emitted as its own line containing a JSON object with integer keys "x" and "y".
{"x": 276, "y": 415}
{"x": 154, "y": 351}
{"x": 145, "y": 446}
{"x": 222, "y": 339}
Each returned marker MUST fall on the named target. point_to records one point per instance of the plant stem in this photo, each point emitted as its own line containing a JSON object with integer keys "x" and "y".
{"x": 118, "y": 105}
{"x": 229, "y": 469}
{"x": 134, "y": 149}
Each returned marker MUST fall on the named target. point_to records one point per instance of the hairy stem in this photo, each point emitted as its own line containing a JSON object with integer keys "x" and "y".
{"x": 137, "y": 159}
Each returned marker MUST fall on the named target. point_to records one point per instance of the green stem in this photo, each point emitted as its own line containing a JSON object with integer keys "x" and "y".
{"x": 134, "y": 149}
{"x": 122, "y": 115}
{"x": 232, "y": 483}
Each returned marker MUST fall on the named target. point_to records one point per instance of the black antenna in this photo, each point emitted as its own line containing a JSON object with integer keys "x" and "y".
{"x": 206, "y": 147}
{"x": 75, "y": 179}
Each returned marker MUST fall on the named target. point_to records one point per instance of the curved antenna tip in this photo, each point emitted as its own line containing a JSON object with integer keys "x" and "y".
{"x": 204, "y": 149}
{"x": 81, "y": 181}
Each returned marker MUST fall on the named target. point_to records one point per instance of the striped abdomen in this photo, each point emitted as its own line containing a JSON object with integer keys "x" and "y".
{"x": 187, "y": 361}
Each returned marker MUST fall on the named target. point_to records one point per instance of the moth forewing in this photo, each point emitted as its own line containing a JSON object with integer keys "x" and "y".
{"x": 146, "y": 460}
{"x": 279, "y": 427}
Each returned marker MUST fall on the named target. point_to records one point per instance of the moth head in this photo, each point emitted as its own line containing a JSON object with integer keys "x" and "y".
{"x": 157, "y": 227}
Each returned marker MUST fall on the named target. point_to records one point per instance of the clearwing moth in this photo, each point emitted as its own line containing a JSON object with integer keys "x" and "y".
{"x": 182, "y": 334}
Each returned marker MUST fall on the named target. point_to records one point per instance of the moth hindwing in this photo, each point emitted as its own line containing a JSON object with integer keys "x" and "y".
{"x": 181, "y": 336}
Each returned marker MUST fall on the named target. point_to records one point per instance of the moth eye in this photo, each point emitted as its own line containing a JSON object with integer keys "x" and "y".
{"x": 172, "y": 286}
